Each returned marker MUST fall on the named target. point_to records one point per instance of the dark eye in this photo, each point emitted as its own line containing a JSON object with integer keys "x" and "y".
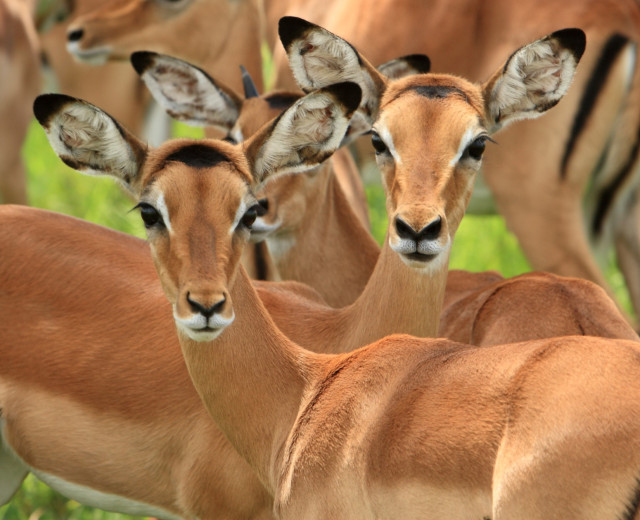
{"x": 249, "y": 217}
{"x": 150, "y": 215}
{"x": 378, "y": 144}
{"x": 475, "y": 149}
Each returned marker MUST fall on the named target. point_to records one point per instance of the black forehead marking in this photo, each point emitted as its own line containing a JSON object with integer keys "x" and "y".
{"x": 281, "y": 100}
{"x": 197, "y": 156}
{"x": 437, "y": 91}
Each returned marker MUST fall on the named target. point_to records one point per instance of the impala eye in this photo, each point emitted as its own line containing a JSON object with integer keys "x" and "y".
{"x": 378, "y": 144}
{"x": 150, "y": 215}
{"x": 250, "y": 216}
{"x": 476, "y": 148}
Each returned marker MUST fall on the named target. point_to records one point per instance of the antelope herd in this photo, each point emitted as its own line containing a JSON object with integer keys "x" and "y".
{"x": 260, "y": 355}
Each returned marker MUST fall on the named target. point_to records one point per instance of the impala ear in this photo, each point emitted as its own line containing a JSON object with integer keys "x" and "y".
{"x": 90, "y": 140}
{"x": 394, "y": 69}
{"x": 534, "y": 78}
{"x": 406, "y": 66}
{"x": 305, "y": 134}
{"x": 319, "y": 58}
{"x": 187, "y": 92}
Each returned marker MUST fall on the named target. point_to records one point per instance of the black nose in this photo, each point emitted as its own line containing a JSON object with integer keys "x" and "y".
{"x": 428, "y": 232}
{"x": 75, "y": 35}
{"x": 207, "y": 312}
{"x": 263, "y": 207}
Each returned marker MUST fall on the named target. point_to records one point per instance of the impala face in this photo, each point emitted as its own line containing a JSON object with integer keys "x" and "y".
{"x": 196, "y": 196}
{"x": 121, "y": 27}
{"x": 198, "y": 266}
{"x": 429, "y": 131}
{"x": 429, "y": 141}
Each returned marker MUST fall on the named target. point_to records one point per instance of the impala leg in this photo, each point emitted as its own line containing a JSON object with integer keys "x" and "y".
{"x": 627, "y": 242}
{"x": 15, "y": 116}
{"x": 13, "y": 182}
{"x": 549, "y": 224}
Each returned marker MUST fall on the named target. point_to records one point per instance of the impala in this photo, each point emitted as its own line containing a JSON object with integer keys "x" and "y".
{"x": 570, "y": 194}
{"x": 19, "y": 84}
{"x": 115, "y": 29}
{"x": 305, "y": 211}
{"x": 405, "y": 427}
{"x": 112, "y": 86}
{"x": 118, "y": 449}
{"x": 309, "y": 209}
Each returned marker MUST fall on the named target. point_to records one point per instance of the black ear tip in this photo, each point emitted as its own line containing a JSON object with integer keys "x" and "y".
{"x": 142, "y": 60}
{"x": 291, "y": 28}
{"x": 574, "y": 40}
{"x": 347, "y": 93}
{"x": 47, "y": 104}
{"x": 419, "y": 62}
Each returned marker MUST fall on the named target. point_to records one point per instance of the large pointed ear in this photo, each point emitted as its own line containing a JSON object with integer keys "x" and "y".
{"x": 90, "y": 140}
{"x": 187, "y": 92}
{"x": 394, "y": 69}
{"x": 319, "y": 58}
{"x": 305, "y": 134}
{"x": 534, "y": 78}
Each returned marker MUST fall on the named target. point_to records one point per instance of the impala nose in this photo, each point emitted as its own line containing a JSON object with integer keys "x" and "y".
{"x": 209, "y": 311}
{"x": 429, "y": 232}
{"x": 75, "y": 35}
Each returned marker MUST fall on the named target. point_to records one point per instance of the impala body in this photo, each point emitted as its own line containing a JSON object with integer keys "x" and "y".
{"x": 405, "y": 427}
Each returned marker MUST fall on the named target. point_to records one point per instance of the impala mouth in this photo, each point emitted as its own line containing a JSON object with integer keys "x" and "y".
{"x": 420, "y": 257}
{"x": 202, "y": 335}
{"x": 199, "y": 328}
{"x": 97, "y": 56}
{"x": 261, "y": 230}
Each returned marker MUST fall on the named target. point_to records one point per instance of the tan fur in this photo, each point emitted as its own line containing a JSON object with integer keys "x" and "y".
{"x": 218, "y": 211}
{"x": 102, "y": 390}
{"x": 19, "y": 84}
{"x": 113, "y": 86}
{"x": 233, "y": 33}
{"x": 531, "y": 306}
{"x": 471, "y": 38}
{"x": 524, "y": 428}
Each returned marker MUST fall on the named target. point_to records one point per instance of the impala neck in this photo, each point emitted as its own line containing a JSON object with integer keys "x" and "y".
{"x": 335, "y": 254}
{"x": 398, "y": 300}
{"x": 239, "y": 45}
{"x": 251, "y": 380}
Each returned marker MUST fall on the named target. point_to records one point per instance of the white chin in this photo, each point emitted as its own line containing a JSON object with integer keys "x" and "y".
{"x": 201, "y": 335}
{"x": 92, "y": 57}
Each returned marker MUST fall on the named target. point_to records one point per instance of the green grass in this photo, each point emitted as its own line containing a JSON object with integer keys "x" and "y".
{"x": 482, "y": 243}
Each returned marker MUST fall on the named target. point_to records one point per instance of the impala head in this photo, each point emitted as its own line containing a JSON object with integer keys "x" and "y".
{"x": 196, "y": 197}
{"x": 190, "y": 95}
{"x": 117, "y": 28}
{"x": 429, "y": 131}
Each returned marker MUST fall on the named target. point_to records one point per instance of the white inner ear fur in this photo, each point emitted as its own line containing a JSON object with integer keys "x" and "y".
{"x": 536, "y": 76}
{"x": 92, "y": 141}
{"x": 188, "y": 95}
{"x": 330, "y": 60}
{"x": 302, "y": 137}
